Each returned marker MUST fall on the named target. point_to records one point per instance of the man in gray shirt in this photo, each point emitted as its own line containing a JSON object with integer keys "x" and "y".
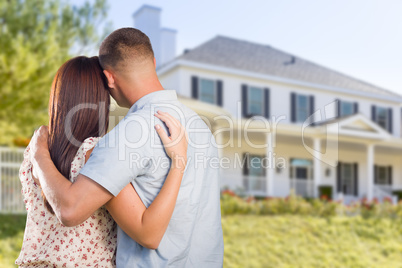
{"x": 132, "y": 153}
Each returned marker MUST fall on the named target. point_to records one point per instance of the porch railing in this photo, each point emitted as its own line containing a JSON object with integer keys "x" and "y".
{"x": 248, "y": 185}
{"x": 257, "y": 186}
{"x": 302, "y": 187}
{"x": 11, "y": 200}
{"x": 382, "y": 192}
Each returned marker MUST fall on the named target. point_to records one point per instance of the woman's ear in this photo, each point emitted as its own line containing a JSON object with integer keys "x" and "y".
{"x": 110, "y": 78}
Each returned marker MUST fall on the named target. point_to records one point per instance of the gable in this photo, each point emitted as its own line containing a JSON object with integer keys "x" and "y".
{"x": 357, "y": 126}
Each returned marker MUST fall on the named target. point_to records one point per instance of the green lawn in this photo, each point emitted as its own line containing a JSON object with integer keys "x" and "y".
{"x": 11, "y": 235}
{"x": 297, "y": 241}
{"x": 279, "y": 241}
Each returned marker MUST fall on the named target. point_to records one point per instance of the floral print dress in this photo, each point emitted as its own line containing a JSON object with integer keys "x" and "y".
{"x": 48, "y": 243}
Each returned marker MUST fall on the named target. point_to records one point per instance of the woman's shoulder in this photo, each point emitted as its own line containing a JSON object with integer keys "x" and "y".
{"x": 89, "y": 143}
{"x": 79, "y": 160}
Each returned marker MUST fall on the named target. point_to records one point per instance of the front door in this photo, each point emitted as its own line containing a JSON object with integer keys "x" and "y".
{"x": 301, "y": 177}
{"x": 347, "y": 178}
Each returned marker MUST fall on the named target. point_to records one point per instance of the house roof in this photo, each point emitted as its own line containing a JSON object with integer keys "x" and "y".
{"x": 243, "y": 55}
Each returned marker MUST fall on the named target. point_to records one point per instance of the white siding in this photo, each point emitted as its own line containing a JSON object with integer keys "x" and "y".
{"x": 279, "y": 94}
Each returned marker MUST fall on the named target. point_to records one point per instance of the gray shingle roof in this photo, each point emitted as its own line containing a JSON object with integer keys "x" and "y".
{"x": 263, "y": 59}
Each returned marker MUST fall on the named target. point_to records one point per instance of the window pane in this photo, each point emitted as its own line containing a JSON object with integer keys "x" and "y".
{"x": 255, "y": 166}
{"x": 302, "y": 108}
{"x": 300, "y": 168}
{"x": 301, "y": 173}
{"x": 255, "y": 101}
{"x": 255, "y": 94}
{"x": 301, "y": 162}
{"x": 207, "y": 90}
{"x": 382, "y": 117}
{"x": 382, "y": 176}
{"x": 347, "y": 180}
{"x": 346, "y": 108}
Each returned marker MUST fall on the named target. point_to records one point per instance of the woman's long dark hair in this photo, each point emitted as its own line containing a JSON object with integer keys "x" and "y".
{"x": 78, "y": 109}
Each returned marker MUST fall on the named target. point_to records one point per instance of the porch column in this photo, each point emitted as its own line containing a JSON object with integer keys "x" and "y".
{"x": 269, "y": 174}
{"x": 316, "y": 166}
{"x": 370, "y": 175}
{"x": 219, "y": 143}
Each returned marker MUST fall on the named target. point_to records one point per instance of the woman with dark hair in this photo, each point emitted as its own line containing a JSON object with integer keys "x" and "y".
{"x": 78, "y": 117}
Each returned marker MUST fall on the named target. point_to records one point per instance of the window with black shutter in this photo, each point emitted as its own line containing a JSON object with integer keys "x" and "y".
{"x": 347, "y": 178}
{"x": 382, "y": 116}
{"x": 301, "y": 107}
{"x": 382, "y": 175}
{"x": 255, "y": 101}
{"x": 345, "y": 108}
{"x": 207, "y": 90}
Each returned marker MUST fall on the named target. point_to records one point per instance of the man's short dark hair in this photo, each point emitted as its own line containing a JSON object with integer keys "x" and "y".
{"x": 123, "y": 47}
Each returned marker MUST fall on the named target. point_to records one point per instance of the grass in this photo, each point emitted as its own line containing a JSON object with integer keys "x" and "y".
{"x": 279, "y": 241}
{"x": 11, "y": 236}
{"x": 302, "y": 241}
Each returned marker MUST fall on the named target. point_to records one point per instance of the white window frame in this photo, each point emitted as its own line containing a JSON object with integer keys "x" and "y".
{"x": 249, "y": 100}
{"x": 298, "y": 119}
{"x": 200, "y": 90}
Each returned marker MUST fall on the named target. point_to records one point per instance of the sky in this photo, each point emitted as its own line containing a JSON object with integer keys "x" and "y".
{"x": 360, "y": 38}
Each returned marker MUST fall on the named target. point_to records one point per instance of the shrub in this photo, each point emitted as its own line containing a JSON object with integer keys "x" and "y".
{"x": 398, "y": 194}
{"x": 325, "y": 192}
{"x": 232, "y": 204}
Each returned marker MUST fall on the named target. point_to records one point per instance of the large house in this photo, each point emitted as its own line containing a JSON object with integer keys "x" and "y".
{"x": 285, "y": 123}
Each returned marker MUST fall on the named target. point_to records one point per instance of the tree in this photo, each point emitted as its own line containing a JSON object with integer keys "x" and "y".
{"x": 36, "y": 38}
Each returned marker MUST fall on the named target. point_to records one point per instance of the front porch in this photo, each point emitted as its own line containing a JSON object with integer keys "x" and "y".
{"x": 353, "y": 157}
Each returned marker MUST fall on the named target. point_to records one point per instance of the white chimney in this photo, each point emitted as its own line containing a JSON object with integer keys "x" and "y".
{"x": 148, "y": 20}
{"x": 168, "y": 48}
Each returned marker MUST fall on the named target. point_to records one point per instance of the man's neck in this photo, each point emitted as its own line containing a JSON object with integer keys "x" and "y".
{"x": 142, "y": 89}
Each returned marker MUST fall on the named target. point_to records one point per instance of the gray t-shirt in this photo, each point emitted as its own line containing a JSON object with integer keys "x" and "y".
{"x": 133, "y": 153}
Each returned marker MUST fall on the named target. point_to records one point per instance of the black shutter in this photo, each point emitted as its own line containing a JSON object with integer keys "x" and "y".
{"x": 291, "y": 175}
{"x": 390, "y": 120}
{"x": 219, "y": 93}
{"x": 356, "y": 178}
{"x": 293, "y": 107}
{"x": 375, "y": 174}
{"x": 312, "y": 108}
{"x": 338, "y": 177}
{"x": 245, "y": 167}
{"x": 264, "y": 165}
{"x": 355, "y": 107}
{"x": 373, "y": 113}
{"x": 244, "y": 100}
{"x": 390, "y": 175}
{"x": 338, "y": 108}
{"x": 194, "y": 87}
{"x": 266, "y": 102}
